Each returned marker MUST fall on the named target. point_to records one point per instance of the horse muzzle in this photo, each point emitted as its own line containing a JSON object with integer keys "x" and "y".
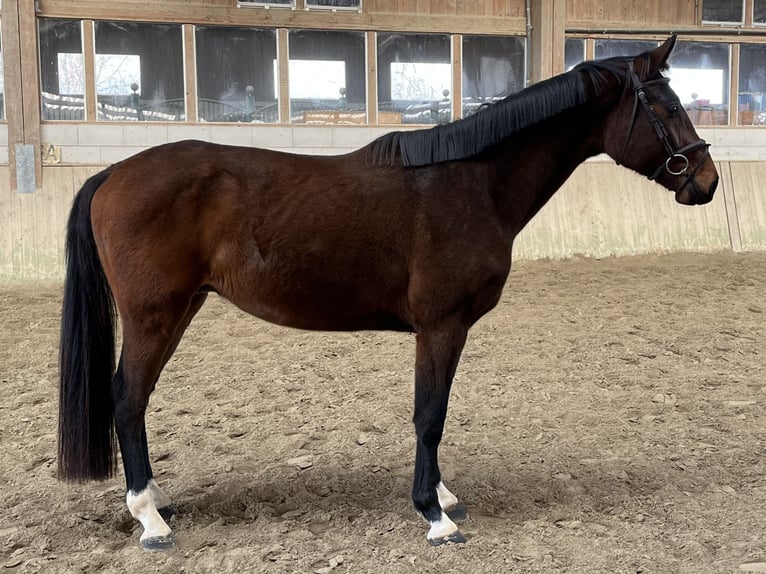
{"x": 696, "y": 192}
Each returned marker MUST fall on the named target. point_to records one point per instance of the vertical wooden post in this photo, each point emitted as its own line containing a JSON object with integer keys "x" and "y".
{"x": 372, "y": 77}
{"x": 457, "y": 76}
{"x": 89, "y": 60}
{"x": 547, "y": 38}
{"x": 283, "y": 67}
{"x": 14, "y": 111}
{"x": 734, "y": 86}
{"x": 190, "y": 71}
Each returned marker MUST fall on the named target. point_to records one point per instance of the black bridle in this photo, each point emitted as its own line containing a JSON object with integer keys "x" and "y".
{"x": 673, "y": 154}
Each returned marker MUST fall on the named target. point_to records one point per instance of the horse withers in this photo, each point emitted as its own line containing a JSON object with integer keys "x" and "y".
{"x": 412, "y": 232}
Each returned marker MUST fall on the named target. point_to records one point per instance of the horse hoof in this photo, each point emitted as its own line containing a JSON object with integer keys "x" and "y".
{"x": 167, "y": 512}
{"x": 457, "y": 513}
{"x": 158, "y": 543}
{"x": 454, "y": 538}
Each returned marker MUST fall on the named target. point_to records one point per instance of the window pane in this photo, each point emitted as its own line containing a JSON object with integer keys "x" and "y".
{"x": 612, "y": 48}
{"x": 759, "y": 11}
{"x": 327, "y": 77}
{"x": 235, "y": 74}
{"x": 574, "y": 52}
{"x": 287, "y": 3}
{"x": 414, "y": 79}
{"x": 699, "y": 74}
{"x": 62, "y": 70}
{"x": 334, "y": 3}
{"x": 493, "y": 67}
{"x": 139, "y": 72}
{"x": 752, "y": 84}
{"x": 723, "y": 11}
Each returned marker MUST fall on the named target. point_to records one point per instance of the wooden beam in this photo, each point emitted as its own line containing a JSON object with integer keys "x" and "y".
{"x": 283, "y": 68}
{"x": 30, "y": 83}
{"x": 14, "y": 111}
{"x": 457, "y": 76}
{"x": 89, "y": 57}
{"x": 190, "y": 71}
{"x": 372, "y": 78}
{"x": 197, "y": 13}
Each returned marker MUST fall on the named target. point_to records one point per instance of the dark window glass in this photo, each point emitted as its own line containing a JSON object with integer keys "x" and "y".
{"x": 574, "y": 52}
{"x": 267, "y": 2}
{"x": 759, "y": 11}
{"x": 699, "y": 74}
{"x": 236, "y": 74}
{"x": 723, "y": 11}
{"x": 62, "y": 70}
{"x": 493, "y": 67}
{"x": 139, "y": 72}
{"x": 612, "y": 48}
{"x": 327, "y": 77}
{"x": 752, "y": 84}
{"x": 334, "y": 3}
{"x": 414, "y": 78}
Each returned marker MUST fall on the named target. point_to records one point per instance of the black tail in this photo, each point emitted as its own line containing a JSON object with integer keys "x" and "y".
{"x": 87, "y": 448}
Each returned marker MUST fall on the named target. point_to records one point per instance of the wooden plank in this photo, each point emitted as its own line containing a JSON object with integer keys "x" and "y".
{"x": 190, "y": 71}
{"x": 372, "y": 78}
{"x": 747, "y": 183}
{"x": 14, "y": 110}
{"x": 461, "y": 23}
{"x": 30, "y": 82}
{"x": 89, "y": 59}
{"x": 448, "y": 7}
{"x": 6, "y": 229}
{"x": 456, "y": 93}
{"x": 283, "y": 64}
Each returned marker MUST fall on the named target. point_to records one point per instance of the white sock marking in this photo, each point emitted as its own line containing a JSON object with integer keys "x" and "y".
{"x": 442, "y": 528}
{"x": 447, "y": 500}
{"x": 142, "y": 508}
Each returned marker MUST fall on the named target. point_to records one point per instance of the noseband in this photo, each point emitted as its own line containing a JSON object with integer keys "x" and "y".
{"x": 674, "y": 154}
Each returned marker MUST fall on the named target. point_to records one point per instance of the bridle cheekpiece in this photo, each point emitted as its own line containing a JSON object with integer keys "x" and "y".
{"x": 673, "y": 154}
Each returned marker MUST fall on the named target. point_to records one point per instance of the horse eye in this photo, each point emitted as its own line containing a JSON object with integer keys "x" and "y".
{"x": 673, "y": 110}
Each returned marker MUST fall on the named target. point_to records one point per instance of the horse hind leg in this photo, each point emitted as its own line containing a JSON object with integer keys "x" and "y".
{"x": 147, "y": 346}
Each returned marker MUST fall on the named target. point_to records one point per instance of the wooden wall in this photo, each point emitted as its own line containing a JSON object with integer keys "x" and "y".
{"x": 610, "y": 13}
{"x": 603, "y": 210}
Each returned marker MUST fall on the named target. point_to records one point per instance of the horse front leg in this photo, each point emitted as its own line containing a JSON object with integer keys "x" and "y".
{"x": 437, "y": 356}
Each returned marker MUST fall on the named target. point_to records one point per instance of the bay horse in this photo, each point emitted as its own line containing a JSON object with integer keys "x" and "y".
{"x": 412, "y": 232}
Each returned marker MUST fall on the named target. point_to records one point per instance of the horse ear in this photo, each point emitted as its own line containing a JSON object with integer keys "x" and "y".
{"x": 658, "y": 58}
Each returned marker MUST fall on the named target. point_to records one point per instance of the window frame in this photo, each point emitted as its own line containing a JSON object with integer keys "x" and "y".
{"x": 723, "y": 22}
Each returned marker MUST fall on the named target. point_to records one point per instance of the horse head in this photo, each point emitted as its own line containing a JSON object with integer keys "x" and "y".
{"x": 650, "y": 132}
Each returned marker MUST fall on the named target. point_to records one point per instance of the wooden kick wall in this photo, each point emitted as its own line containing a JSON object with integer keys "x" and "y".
{"x": 602, "y": 210}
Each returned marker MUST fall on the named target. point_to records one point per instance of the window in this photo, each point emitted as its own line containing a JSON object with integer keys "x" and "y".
{"x": 752, "y": 85}
{"x": 139, "y": 72}
{"x": 574, "y": 52}
{"x": 414, "y": 78}
{"x": 723, "y": 11}
{"x": 699, "y": 74}
{"x": 236, "y": 81}
{"x": 267, "y": 3}
{"x": 327, "y": 77}
{"x": 62, "y": 70}
{"x": 759, "y": 12}
{"x": 493, "y": 67}
{"x": 612, "y": 48}
{"x": 335, "y": 4}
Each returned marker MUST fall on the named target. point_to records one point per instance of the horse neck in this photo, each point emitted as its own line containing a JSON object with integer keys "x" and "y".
{"x": 532, "y": 166}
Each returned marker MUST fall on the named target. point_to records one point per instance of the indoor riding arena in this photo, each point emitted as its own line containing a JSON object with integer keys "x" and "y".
{"x": 607, "y": 409}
